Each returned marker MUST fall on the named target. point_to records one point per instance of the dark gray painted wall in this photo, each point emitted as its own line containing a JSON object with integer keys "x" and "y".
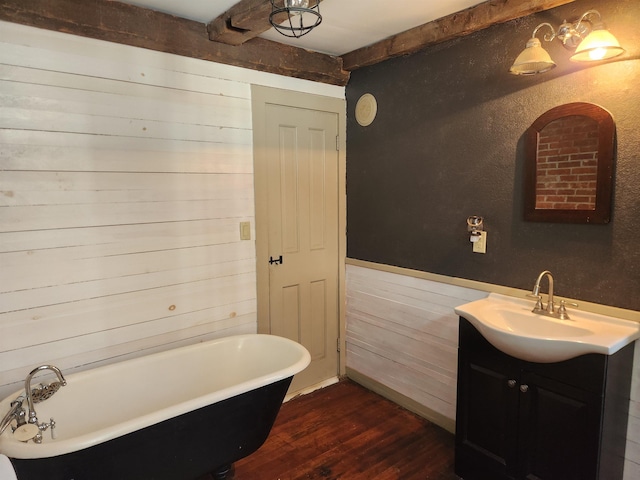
{"x": 447, "y": 143}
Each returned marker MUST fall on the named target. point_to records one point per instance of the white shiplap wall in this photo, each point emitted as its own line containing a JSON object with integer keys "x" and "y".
{"x": 632, "y": 453}
{"x": 402, "y": 333}
{"x": 124, "y": 176}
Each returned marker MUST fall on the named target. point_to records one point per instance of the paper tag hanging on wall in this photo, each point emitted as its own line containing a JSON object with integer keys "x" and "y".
{"x": 366, "y": 109}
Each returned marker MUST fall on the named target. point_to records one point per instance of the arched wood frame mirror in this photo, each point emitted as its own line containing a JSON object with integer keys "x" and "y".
{"x": 569, "y": 160}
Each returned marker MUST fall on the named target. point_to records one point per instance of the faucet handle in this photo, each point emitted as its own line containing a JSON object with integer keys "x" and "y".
{"x": 54, "y": 433}
{"x": 538, "y": 298}
{"x": 565, "y": 302}
{"x": 562, "y": 311}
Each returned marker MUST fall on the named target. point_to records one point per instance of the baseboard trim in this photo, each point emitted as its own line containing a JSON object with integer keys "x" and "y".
{"x": 402, "y": 400}
{"x": 312, "y": 388}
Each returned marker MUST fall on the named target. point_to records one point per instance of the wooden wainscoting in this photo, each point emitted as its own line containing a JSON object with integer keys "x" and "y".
{"x": 402, "y": 333}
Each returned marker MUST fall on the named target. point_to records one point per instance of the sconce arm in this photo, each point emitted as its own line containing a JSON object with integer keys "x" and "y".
{"x": 547, "y": 38}
{"x": 586, "y": 14}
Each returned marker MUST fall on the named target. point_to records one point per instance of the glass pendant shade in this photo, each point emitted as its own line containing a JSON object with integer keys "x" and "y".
{"x": 296, "y": 3}
{"x": 533, "y": 59}
{"x": 600, "y": 44}
{"x": 296, "y": 18}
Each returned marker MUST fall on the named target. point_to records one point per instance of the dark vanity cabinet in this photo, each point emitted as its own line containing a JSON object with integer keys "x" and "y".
{"x": 540, "y": 421}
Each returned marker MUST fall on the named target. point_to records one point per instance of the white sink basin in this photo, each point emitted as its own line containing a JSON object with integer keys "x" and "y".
{"x": 510, "y": 326}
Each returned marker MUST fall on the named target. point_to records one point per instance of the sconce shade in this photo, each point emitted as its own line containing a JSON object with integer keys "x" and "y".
{"x": 533, "y": 59}
{"x": 600, "y": 44}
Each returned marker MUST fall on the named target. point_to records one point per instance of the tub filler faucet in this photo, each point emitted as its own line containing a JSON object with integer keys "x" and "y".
{"x": 33, "y": 428}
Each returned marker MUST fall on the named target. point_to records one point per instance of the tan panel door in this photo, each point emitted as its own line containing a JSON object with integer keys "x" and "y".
{"x": 302, "y": 172}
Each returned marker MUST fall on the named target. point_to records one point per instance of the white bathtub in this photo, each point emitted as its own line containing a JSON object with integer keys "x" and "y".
{"x": 99, "y": 406}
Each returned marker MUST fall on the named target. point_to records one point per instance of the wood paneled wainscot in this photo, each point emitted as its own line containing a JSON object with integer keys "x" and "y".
{"x": 523, "y": 420}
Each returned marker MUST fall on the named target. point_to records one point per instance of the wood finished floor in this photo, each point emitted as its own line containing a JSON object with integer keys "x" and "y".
{"x": 347, "y": 432}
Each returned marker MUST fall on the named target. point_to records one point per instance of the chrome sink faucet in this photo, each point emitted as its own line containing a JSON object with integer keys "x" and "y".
{"x": 550, "y": 309}
{"x": 536, "y": 293}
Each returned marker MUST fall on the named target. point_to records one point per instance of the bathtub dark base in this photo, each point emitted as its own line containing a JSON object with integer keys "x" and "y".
{"x": 206, "y": 440}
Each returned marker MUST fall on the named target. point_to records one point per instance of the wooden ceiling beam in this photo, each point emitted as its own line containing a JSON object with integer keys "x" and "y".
{"x": 446, "y": 28}
{"x": 245, "y": 20}
{"x": 141, "y": 27}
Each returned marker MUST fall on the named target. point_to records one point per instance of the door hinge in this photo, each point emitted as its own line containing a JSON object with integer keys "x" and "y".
{"x": 338, "y": 344}
{"x": 337, "y": 143}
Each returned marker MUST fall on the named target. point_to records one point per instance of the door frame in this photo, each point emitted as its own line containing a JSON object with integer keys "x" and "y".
{"x": 260, "y": 97}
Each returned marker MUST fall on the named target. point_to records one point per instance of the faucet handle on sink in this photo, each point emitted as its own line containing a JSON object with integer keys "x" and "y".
{"x": 538, "y": 298}
{"x": 562, "y": 311}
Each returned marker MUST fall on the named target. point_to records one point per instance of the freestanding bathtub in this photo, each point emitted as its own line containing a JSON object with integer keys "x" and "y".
{"x": 174, "y": 415}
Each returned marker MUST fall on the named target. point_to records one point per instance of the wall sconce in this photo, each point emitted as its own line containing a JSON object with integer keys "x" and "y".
{"x": 591, "y": 40}
{"x": 296, "y": 18}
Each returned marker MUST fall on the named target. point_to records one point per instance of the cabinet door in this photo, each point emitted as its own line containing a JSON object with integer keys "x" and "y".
{"x": 558, "y": 438}
{"x": 486, "y": 420}
{"x": 491, "y": 422}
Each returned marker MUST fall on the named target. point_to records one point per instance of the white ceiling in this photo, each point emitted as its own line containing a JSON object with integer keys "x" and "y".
{"x": 346, "y": 24}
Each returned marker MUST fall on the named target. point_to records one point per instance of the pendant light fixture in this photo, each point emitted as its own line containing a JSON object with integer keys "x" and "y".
{"x": 295, "y": 18}
{"x": 591, "y": 40}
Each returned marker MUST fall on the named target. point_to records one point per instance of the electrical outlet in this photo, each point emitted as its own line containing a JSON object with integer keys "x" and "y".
{"x": 481, "y": 245}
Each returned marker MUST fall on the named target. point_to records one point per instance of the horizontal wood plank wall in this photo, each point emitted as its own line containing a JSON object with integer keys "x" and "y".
{"x": 122, "y": 197}
{"x": 402, "y": 333}
{"x": 632, "y": 453}
{"x": 124, "y": 176}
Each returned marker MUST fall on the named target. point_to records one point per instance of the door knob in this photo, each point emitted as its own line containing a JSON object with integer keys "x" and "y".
{"x": 524, "y": 388}
{"x": 511, "y": 383}
{"x": 275, "y": 261}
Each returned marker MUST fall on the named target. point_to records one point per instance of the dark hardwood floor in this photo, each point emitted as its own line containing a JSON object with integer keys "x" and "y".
{"x": 346, "y": 432}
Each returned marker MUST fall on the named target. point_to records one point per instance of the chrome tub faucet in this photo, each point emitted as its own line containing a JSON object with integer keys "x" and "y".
{"x": 27, "y": 426}
{"x": 42, "y": 392}
{"x": 39, "y": 394}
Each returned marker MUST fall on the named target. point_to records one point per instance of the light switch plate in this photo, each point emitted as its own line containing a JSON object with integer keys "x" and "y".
{"x": 481, "y": 245}
{"x": 245, "y": 230}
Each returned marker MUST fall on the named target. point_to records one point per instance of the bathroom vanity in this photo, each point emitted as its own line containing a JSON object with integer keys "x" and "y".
{"x": 520, "y": 419}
